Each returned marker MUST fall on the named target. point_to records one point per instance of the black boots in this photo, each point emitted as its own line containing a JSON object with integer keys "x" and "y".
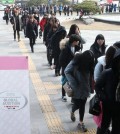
{"x": 57, "y": 72}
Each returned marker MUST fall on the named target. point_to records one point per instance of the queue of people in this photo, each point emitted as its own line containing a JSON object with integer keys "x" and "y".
{"x": 94, "y": 70}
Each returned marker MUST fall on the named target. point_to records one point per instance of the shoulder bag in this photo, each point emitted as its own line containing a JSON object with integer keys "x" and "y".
{"x": 94, "y": 106}
{"x": 67, "y": 86}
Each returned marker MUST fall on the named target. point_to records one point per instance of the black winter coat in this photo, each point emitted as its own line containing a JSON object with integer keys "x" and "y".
{"x": 106, "y": 85}
{"x": 95, "y": 49}
{"x": 31, "y": 30}
{"x": 58, "y": 36}
{"x": 49, "y": 38}
{"x": 46, "y": 31}
{"x": 16, "y": 25}
{"x": 66, "y": 56}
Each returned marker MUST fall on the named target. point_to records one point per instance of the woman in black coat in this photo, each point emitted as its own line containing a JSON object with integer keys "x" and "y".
{"x": 47, "y": 28}
{"x": 67, "y": 55}
{"x": 58, "y": 36}
{"x": 98, "y": 47}
{"x": 31, "y": 32}
{"x": 108, "y": 89}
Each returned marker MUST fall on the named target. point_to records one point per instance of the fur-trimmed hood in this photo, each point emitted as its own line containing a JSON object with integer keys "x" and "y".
{"x": 63, "y": 43}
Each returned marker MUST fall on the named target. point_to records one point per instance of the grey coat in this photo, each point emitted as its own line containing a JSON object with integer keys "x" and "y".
{"x": 78, "y": 82}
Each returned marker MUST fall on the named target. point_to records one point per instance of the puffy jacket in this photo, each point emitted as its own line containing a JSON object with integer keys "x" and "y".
{"x": 99, "y": 67}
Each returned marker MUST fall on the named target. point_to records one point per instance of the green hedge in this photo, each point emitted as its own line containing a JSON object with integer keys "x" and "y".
{"x": 88, "y": 7}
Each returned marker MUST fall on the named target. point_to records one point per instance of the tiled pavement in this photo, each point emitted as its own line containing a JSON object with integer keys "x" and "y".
{"x": 49, "y": 115}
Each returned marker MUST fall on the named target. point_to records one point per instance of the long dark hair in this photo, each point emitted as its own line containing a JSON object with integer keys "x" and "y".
{"x": 98, "y": 37}
{"x": 84, "y": 61}
{"x": 109, "y": 56}
{"x": 72, "y": 29}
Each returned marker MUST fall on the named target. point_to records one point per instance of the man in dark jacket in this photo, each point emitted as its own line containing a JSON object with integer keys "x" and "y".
{"x": 108, "y": 89}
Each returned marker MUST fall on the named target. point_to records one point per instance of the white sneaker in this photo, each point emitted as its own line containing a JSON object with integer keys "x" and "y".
{"x": 52, "y": 67}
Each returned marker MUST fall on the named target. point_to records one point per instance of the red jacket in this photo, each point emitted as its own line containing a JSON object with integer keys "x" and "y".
{"x": 42, "y": 23}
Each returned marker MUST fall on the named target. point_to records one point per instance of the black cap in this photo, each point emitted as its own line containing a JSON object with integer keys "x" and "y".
{"x": 74, "y": 37}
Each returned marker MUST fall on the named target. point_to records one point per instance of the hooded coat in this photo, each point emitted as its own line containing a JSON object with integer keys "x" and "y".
{"x": 66, "y": 54}
{"x": 55, "y": 41}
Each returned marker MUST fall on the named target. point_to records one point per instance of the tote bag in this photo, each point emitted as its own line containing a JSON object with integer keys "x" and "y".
{"x": 68, "y": 89}
{"x": 94, "y": 106}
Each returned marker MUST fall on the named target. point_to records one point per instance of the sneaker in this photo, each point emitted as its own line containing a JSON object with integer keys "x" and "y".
{"x": 82, "y": 127}
{"x": 52, "y": 67}
{"x": 73, "y": 117}
{"x": 64, "y": 99}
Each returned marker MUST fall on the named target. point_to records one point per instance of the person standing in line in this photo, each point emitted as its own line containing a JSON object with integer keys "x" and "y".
{"x": 31, "y": 32}
{"x": 107, "y": 87}
{"x": 68, "y": 47}
{"x": 104, "y": 62}
{"x": 68, "y": 10}
{"x": 74, "y": 29}
{"x": 77, "y": 73}
{"x": 55, "y": 9}
{"x": 17, "y": 24}
{"x": 65, "y": 9}
{"x": 47, "y": 28}
{"x": 58, "y": 36}
{"x": 60, "y": 9}
{"x": 98, "y": 47}
{"x": 71, "y": 10}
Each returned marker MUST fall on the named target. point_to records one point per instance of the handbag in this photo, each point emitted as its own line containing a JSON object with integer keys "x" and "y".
{"x": 4, "y": 17}
{"x": 68, "y": 89}
{"x": 98, "y": 119}
{"x": 67, "y": 86}
{"x": 94, "y": 106}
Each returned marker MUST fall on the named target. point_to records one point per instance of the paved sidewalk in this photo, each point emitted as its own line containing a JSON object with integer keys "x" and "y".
{"x": 49, "y": 115}
{"x": 109, "y": 18}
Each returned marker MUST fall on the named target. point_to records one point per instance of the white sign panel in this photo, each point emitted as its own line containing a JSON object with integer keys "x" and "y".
{"x": 14, "y": 96}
